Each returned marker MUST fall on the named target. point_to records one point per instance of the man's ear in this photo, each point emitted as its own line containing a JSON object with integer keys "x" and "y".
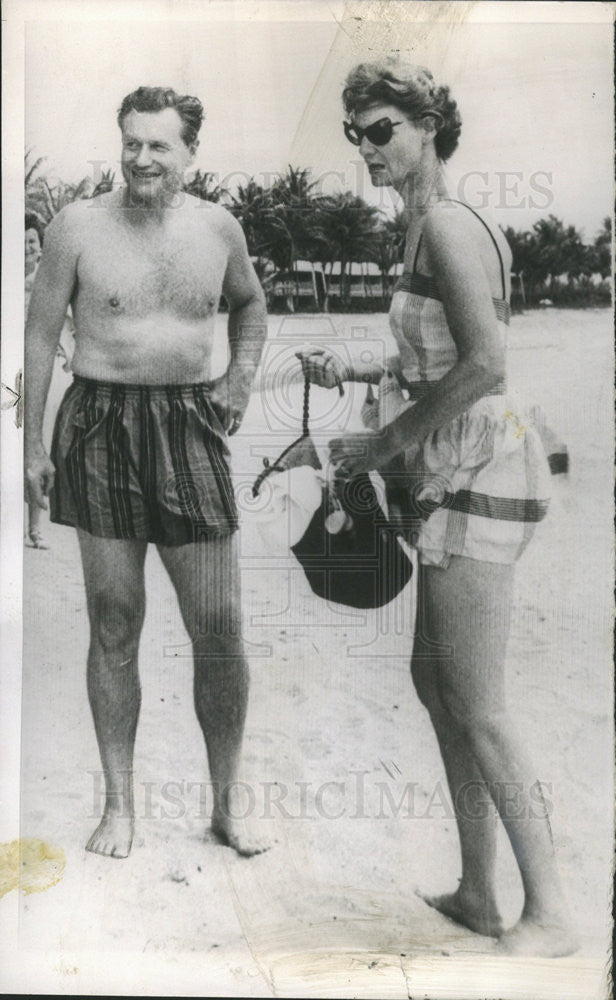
{"x": 194, "y": 146}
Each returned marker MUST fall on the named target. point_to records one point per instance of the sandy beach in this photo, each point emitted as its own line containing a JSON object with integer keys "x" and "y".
{"x": 341, "y": 766}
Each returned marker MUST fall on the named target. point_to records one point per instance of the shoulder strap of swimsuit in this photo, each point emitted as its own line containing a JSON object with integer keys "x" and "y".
{"x": 492, "y": 237}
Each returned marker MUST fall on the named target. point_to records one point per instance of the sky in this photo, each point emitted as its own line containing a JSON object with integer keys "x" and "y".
{"x": 536, "y": 98}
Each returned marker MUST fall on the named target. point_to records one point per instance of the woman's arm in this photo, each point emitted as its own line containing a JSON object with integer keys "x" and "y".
{"x": 327, "y": 369}
{"x": 453, "y": 251}
{"x": 455, "y": 261}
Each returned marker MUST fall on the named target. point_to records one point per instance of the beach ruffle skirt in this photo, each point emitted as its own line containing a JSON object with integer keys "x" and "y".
{"x": 480, "y": 484}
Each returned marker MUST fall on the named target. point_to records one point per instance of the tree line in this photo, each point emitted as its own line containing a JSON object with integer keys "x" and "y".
{"x": 289, "y": 220}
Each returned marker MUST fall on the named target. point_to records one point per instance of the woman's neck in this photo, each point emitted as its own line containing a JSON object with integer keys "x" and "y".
{"x": 421, "y": 190}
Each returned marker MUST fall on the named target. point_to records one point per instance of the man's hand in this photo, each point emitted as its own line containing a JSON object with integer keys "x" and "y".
{"x": 40, "y": 473}
{"x": 229, "y": 396}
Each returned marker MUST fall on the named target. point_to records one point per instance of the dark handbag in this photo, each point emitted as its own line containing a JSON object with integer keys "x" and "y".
{"x": 363, "y": 565}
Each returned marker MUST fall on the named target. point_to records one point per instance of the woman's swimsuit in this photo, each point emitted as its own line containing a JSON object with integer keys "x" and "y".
{"x": 482, "y": 482}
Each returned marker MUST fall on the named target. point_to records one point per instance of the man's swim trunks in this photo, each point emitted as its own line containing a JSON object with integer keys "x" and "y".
{"x": 142, "y": 461}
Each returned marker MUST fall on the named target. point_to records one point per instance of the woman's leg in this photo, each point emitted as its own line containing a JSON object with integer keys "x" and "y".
{"x": 34, "y": 526}
{"x": 467, "y": 611}
{"x": 474, "y": 902}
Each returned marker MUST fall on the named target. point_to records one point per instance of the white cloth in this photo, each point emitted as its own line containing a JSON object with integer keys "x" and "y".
{"x": 290, "y": 501}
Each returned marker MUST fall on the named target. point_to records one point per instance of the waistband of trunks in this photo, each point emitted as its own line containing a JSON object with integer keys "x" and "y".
{"x": 417, "y": 390}
{"x": 136, "y": 389}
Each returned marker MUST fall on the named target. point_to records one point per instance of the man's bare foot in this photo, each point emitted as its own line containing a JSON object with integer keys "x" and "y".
{"x": 478, "y": 913}
{"x": 234, "y": 833}
{"x": 113, "y": 836}
{"x": 534, "y": 938}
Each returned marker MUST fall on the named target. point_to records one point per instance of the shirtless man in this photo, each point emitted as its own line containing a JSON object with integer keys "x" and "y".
{"x": 140, "y": 443}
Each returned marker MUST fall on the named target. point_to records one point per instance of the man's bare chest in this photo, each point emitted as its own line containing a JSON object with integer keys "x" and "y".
{"x": 179, "y": 273}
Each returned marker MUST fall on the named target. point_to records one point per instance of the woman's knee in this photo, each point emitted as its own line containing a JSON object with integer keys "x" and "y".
{"x": 423, "y": 676}
{"x": 484, "y": 724}
{"x": 116, "y": 619}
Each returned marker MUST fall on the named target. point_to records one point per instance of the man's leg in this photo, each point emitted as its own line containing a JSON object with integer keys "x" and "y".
{"x": 207, "y": 582}
{"x": 113, "y": 572}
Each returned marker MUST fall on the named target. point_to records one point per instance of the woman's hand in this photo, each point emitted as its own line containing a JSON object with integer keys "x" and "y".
{"x": 355, "y": 453}
{"x": 367, "y": 451}
{"x": 39, "y": 477}
{"x": 323, "y": 368}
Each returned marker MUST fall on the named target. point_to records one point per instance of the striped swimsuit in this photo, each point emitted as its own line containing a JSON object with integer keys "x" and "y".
{"x": 482, "y": 482}
{"x": 146, "y": 462}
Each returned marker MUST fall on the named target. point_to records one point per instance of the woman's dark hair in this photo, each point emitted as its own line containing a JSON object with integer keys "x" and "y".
{"x": 190, "y": 109}
{"x": 31, "y": 222}
{"x": 411, "y": 89}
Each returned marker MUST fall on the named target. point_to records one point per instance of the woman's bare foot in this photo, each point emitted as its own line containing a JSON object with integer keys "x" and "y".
{"x": 36, "y": 539}
{"x": 538, "y": 938}
{"x": 477, "y": 912}
{"x": 113, "y": 836}
{"x": 234, "y": 833}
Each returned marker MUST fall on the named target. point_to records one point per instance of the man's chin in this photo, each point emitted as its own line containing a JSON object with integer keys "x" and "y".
{"x": 143, "y": 194}
{"x": 151, "y": 195}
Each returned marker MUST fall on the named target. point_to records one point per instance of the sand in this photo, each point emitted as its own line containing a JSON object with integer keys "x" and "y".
{"x": 335, "y": 738}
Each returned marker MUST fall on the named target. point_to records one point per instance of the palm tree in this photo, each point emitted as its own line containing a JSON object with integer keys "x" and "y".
{"x": 31, "y": 168}
{"x": 522, "y": 249}
{"x": 388, "y": 249}
{"x": 204, "y": 185}
{"x": 601, "y": 250}
{"x": 105, "y": 184}
{"x": 44, "y": 200}
{"x": 346, "y": 229}
{"x": 251, "y": 206}
{"x": 290, "y": 217}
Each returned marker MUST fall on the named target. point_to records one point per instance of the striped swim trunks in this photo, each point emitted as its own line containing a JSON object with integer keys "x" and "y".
{"x": 146, "y": 462}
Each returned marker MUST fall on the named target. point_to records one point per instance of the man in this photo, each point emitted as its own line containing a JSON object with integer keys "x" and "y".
{"x": 140, "y": 448}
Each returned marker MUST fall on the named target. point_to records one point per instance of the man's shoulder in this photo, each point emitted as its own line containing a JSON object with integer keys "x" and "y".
{"x": 213, "y": 218}
{"x": 73, "y": 218}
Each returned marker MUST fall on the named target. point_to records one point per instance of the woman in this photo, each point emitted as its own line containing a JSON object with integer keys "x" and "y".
{"x": 32, "y": 255}
{"x": 467, "y": 444}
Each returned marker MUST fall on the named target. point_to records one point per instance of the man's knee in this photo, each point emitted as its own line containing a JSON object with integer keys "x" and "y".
{"x": 116, "y": 619}
{"x": 217, "y": 620}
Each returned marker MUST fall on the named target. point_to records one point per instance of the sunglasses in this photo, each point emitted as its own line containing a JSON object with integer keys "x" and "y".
{"x": 378, "y": 133}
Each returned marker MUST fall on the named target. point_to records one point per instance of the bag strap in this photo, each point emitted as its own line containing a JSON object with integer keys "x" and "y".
{"x": 306, "y": 410}
{"x": 306, "y": 407}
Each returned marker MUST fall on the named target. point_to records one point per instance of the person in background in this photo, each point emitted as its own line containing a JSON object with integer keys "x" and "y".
{"x": 33, "y": 242}
{"x": 33, "y": 246}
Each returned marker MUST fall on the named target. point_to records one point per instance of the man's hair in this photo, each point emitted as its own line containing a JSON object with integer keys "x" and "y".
{"x": 410, "y": 88}
{"x": 190, "y": 109}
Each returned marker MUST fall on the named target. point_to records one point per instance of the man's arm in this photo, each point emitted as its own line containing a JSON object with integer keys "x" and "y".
{"x": 247, "y": 327}
{"x": 51, "y": 294}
